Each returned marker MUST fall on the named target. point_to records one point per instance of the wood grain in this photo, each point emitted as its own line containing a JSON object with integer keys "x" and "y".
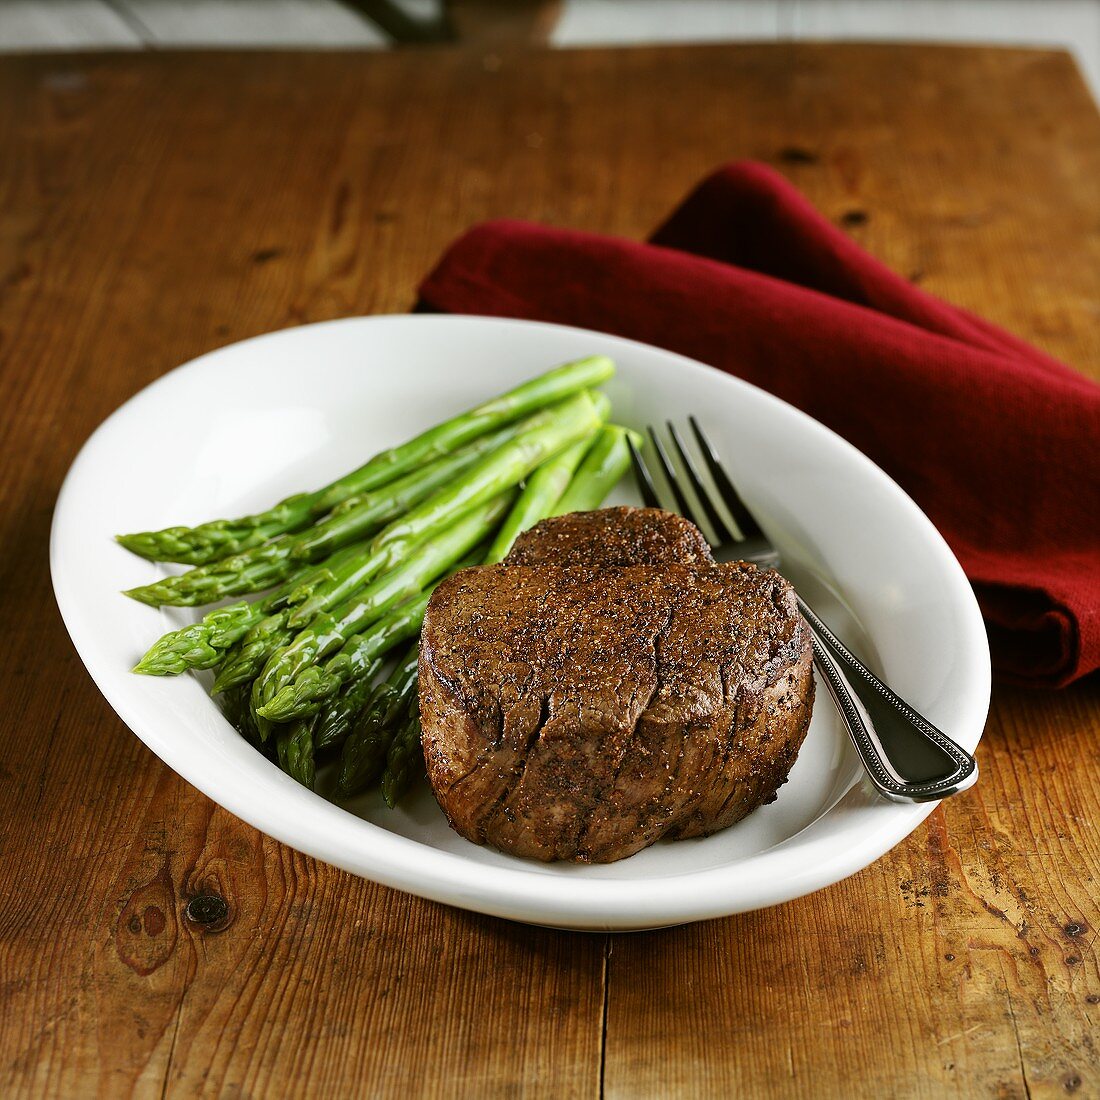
{"x": 154, "y": 207}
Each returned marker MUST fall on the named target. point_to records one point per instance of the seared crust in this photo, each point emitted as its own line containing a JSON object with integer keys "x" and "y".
{"x": 612, "y": 538}
{"x": 584, "y": 712}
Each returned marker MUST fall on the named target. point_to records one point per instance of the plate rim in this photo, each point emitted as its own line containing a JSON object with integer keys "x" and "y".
{"x": 520, "y": 893}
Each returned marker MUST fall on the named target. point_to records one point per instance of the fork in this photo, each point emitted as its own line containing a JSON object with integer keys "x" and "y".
{"x": 907, "y": 758}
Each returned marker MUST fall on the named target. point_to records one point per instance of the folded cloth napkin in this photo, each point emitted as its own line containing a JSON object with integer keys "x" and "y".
{"x": 997, "y": 442}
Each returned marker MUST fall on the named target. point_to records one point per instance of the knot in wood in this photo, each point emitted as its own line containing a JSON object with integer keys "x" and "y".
{"x": 207, "y": 909}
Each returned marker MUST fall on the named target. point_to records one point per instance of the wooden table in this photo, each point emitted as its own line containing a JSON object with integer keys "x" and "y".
{"x": 155, "y": 207}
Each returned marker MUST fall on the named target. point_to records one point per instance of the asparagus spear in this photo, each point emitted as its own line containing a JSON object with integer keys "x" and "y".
{"x": 573, "y": 419}
{"x": 602, "y": 469}
{"x": 249, "y": 571}
{"x": 262, "y": 567}
{"x": 316, "y": 684}
{"x": 404, "y": 760}
{"x": 541, "y": 492}
{"x": 199, "y": 645}
{"x": 234, "y": 706}
{"x": 264, "y": 727}
{"x": 268, "y": 635}
{"x": 341, "y": 576}
{"x": 576, "y": 418}
{"x": 246, "y": 659}
{"x": 328, "y": 631}
{"x": 210, "y": 541}
{"x": 545, "y": 389}
{"x": 295, "y": 752}
{"x": 218, "y": 538}
{"x": 364, "y": 514}
{"x": 275, "y": 631}
{"x": 205, "y": 643}
{"x": 363, "y": 756}
{"x": 337, "y": 716}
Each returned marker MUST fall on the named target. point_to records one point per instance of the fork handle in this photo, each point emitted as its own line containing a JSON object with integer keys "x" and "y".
{"x": 907, "y": 758}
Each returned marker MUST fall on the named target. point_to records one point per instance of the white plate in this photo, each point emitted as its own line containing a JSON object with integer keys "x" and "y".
{"x": 243, "y": 426}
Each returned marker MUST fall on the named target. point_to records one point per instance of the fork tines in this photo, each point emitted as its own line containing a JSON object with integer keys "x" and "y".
{"x": 707, "y": 513}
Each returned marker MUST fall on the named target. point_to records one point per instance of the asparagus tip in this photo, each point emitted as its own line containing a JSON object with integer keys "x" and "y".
{"x": 139, "y": 544}
{"x": 143, "y": 594}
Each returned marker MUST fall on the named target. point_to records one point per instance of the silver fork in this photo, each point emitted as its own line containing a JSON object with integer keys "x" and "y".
{"x": 907, "y": 758}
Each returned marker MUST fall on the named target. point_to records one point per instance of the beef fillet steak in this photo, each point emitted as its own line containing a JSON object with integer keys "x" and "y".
{"x": 612, "y": 537}
{"x": 607, "y": 685}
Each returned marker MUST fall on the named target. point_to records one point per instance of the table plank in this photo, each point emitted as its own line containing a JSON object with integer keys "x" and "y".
{"x": 143, "y": 222}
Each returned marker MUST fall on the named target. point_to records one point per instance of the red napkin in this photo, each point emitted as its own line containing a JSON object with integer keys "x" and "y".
{"x": 997, "y": 442}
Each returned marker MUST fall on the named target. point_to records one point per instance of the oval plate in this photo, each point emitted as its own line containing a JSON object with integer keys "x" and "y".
{"x": 255, "y": 421}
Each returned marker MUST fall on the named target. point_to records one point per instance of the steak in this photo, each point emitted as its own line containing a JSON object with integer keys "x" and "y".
{"x": 612, "y": 537}
{"x": 607, "y": 685}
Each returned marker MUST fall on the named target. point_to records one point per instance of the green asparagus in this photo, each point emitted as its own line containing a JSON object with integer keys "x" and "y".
{"x": 338, "y": 712}
{"x": 294, "y": 751}
{"x": 363, "y": 756}
{"x": 404, "y": 760}
{"x": 316, "y": 684}
{"x": 263, "y": 566}
{"x": 574, "y": 419}
{"x": 327, "y": 632}
{"x": 234, "y": 705}
{"x": 545, "y": 389}
{"x": 541, "y": 492}
{"x": 338, "y": 579}
{"x": 199, "y": 645}
{"x": 239, "y": 574}
{"x": 602, "y": 469}
{"x": 275, "y": 631}
{"x": 365, "y": 514}
{"x": 264, "y": 726}
{"x": 205, "y": 643}
{"x": 217, "y": 539}
{"x": 335, "y": 719}
{"x": 273, "y": 563}
{"x": 577, "y": 417}
{"x": 248, "y": 656}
